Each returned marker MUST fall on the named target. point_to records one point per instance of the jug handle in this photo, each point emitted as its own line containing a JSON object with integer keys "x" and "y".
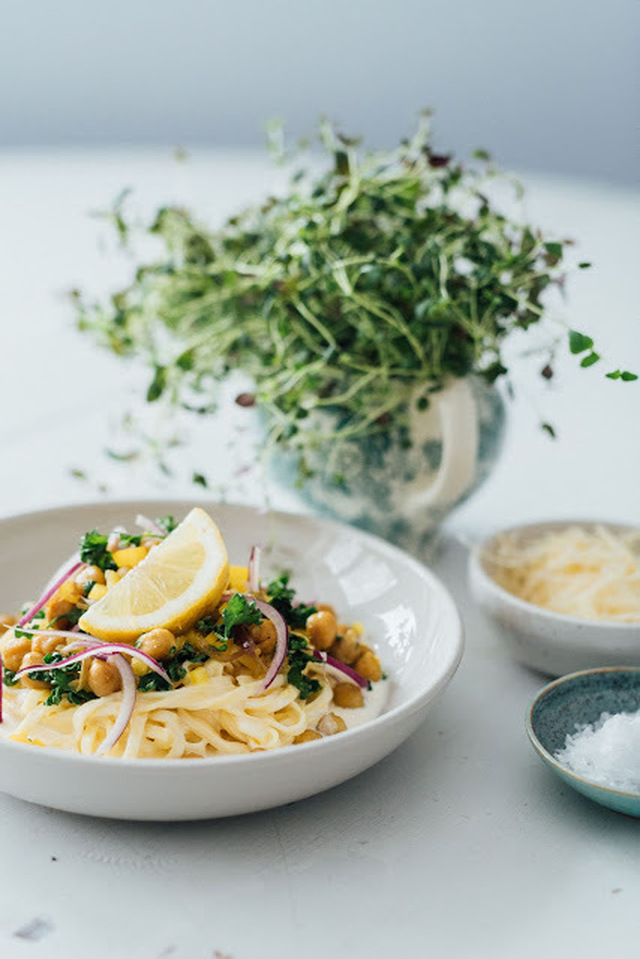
{"x": 458, "y": 415}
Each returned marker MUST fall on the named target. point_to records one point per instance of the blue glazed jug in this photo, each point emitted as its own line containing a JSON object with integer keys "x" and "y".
{"x": 401, "y": 484}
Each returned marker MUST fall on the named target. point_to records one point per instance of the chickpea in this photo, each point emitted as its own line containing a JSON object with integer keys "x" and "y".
{"x": 368, "y": 665}
{"x": 331, "y": 724}
{"x": 44, "y": 644}
{"x": 348, "y": 696}
{"x": 322, "y": 629}
{"x": 307, "y": 736}
{"x": 6, "y": 621}
{"x": 264, "y": 635}
{"x": 104, "y": 678}
{"x": 33, "y": 659}
{"x": 14, "y": 652}
{"x": 325, "y": 608}
{"x": 57, "y": 611}
{"x": 157, "y": 643}
{"x": 347, "y": 647}
{"x": 90, "y": 574}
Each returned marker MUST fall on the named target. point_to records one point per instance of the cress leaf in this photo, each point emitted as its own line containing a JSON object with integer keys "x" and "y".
{"x": 578, "y": 342}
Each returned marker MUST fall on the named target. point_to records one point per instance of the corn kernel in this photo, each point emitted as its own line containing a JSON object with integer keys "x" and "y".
{"x": 111, "y": 577}
{"x": 130, "y": 556}
{"x": 198, "y": 675}
{"x": 358, "y": 628}
{"x": 70, "y": 591}
{"x": 238, "y": 578}
{"x": 139, "y": 668}
{"x": 97, "y": 591}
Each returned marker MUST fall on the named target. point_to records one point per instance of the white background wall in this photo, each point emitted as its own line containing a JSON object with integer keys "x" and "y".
{"x": 546, "y": 85}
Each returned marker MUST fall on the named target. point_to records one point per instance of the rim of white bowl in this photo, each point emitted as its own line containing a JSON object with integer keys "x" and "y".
{"x": 414, "y": 704}
{"x": 549, "y": 757}
{"x": 477, "y": 563}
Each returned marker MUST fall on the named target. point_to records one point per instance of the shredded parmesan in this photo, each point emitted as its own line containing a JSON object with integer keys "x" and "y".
{"x": 587, "y": 573}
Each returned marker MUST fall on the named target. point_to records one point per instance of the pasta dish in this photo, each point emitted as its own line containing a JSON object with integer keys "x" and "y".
{"x": 150, "y": 645}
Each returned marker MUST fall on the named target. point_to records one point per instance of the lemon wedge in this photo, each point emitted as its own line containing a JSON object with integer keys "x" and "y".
{"x": 177, "y": 582}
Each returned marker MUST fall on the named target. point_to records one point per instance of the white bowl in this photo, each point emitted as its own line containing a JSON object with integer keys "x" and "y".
{"x": 549, "y": 642}
{"x": 407, "y": 613}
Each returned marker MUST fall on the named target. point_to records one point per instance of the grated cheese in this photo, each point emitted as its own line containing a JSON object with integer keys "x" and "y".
{"x": 587, "y": 573}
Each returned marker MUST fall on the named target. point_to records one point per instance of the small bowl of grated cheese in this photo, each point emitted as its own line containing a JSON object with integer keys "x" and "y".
{"x": 586, "y": 728}
{"x": 565, "y": 596}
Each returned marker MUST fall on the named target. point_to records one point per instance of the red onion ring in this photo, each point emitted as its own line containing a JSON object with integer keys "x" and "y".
{"x": 49, "y": 593}
{"x": 347, "y": 671}
{"x": 102, "y": 651}
{"x": 282, "y": 637}
{"x": 254, "y": 569}
{"x": 126, "y": 708}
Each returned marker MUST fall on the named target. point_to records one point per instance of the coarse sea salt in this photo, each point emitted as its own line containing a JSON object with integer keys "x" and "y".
{"x": 606, "y": 752}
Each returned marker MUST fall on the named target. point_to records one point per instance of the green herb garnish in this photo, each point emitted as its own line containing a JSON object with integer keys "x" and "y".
{"x": 61, "y": 681}
{"x": 298, "y": 657}
{"x": 94, "y": 552}
{"x": 167, "y": 523}
{"x": 175, "y": 667}
{"x": 281, "y": 596}
{"x": 239, "y": 611}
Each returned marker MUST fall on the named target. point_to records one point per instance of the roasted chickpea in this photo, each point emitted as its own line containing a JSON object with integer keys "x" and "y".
{"x": 57, "y": 611}
{"x": 322, "y": 629}
{"x": 348, "y": 696}
{"x": 90, "y": 574}
{"x": 44, "y": 644}
{"x": 157, "y": 643}
{"x": 33, "y": 659}
{"x": 368, "y": 665}
{"x": 307, "y": 736}
{"x": 325, "y": 608}
{"x": 6, "y": 621}
{"x": 104, "y": 678}
{"x": 347, "y": 647}
{"x": 16, "y": 648}
{"x": 331, "y": 724}
{"x": 264, "y": 635}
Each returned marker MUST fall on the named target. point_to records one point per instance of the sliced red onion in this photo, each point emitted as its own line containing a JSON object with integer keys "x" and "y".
{"x": 126, "y": 708}
{"x": 149, "y": 525}
{"x": 254, "y": 569}
{"x": 63, "y": 633}
{"x": 347, "y": 671}
{"x": 1, "y": 684}
{"x": 101, "y": 650}
{"x": 49, "y": 593}
{"x": 282, "y": 637}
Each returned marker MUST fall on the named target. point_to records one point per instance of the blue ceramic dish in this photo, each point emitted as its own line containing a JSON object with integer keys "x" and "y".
{"x": 578, "y": 699}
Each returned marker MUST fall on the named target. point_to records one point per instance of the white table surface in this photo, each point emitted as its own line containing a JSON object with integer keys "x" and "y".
{"x": 460, "y": 844}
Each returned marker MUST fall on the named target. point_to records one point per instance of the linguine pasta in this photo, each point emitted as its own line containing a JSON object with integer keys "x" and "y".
{"x": 249, "y": 668}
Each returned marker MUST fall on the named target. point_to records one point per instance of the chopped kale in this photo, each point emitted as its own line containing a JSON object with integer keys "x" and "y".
{"x": 174, "y": 666}
{"x": 206, "y": 625}
{"x": 239, "y": 611}
{"x": 94, "y": 552}
{"x": 281, "y": 596}
{"x": 129, "y": 539}
{"x": 167, "y": 523}
{"x": 9, "y": 677}
{"x": 298, "y": 657}
{"x": 61, "y": 681}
